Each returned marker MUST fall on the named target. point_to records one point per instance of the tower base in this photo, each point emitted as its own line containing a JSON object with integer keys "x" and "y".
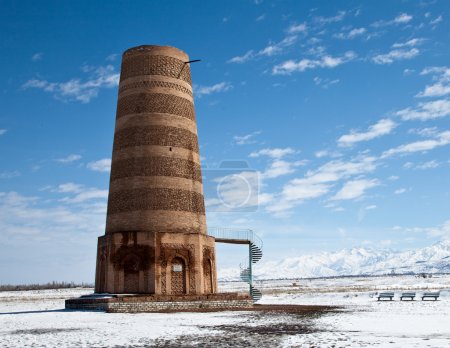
{"x": 160, "y": 303}
{"x": 160, "y": 263}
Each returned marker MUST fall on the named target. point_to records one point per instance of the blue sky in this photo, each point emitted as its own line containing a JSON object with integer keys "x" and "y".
{"x": 341, "y": 108}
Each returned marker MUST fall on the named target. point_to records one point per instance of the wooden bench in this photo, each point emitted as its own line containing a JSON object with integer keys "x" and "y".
{"x": 434, "y": 295}
{"x": 409, "y": 295}
{"x": 389, "y": 295}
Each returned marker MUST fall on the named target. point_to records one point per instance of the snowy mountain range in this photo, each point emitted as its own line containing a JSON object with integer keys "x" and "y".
{"x": 355, "y": 261}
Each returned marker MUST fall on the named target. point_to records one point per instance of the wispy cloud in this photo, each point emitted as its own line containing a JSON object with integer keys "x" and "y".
{"x": 333, "y": 19}
{"x": 244, "y": 58}
{"x": 317, "y": 183}
{"x": 409, "y": 43}
{"x": 297, "y": 28}
{"x": 441, "y": 139}
{"x": 69, "y": 159}
{"x": 395, "y": 55}
{"x": 270, "y": 50}
{"x": 326, "y": 61}
{"x": 441, "y": 87}
{"x": 382, "y": 127}
{"x": 402, "y": 18}
{"x": 273, "y": 152}
{"x": 2, "y": 131}
{"x": 9, "y": 175}
{"x": 324, "y": 82}
{"x": 281, "y": 167}
{"x": 102, "y": 165}
{"x": 354, "y": 189}
{"x": 217, "y": 88}
{"x": 422, "y": 166}
{"x": 37, "y": 56}
{"x": 426, "y": 111}
{"x": 246, "y": 139}
{"x": 77, "y": 89}
{"x": 352, "y": 34}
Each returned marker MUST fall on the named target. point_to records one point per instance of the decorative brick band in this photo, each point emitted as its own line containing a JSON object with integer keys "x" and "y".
{"x": 139, "y": 65}
{"x": 155, "y": 135}
{"x": 141, "y": 182}
{"x": 154, "y": 84}
{"x": 155, "y": 102}
{"x": 151, "y": 119}
{"x": 156, "y": 151}
{"x": 156, "y": 166}
{"x": 155, "y": 199}
{"x": 167, "y": 221}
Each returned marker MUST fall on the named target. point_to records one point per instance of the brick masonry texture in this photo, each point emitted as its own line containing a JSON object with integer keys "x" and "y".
{"x": 153, "y": 84}
{"x": 136, "y": 304}
{"x": 156, "y": 199}
{"x": 156, "y": 166}
{"x": 155, "y": 102}
{"x": 156, "y": 238}
{"x": 155, "y": 135}
{"x": 155, "y": 65}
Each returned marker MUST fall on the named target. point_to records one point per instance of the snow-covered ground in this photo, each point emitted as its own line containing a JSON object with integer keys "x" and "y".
{"x": 37, "y": 319}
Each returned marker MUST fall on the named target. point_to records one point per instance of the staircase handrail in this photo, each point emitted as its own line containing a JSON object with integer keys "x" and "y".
{"x": 236, "y": 233}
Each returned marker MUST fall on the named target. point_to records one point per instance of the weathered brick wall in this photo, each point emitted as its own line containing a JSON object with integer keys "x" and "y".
{"x": 136, "y": 304}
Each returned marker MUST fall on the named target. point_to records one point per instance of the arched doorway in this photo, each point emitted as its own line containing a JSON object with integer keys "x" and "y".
{"x": 178, "y": 276}
{"x": 131, "y": 274}
{"x": 207, "y": 276}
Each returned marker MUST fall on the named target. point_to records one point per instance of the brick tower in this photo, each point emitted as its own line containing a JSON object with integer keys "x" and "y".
{"x": 156, "y": 240}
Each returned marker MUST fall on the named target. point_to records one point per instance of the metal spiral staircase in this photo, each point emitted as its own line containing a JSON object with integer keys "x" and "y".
{"x": 255, "y": 247}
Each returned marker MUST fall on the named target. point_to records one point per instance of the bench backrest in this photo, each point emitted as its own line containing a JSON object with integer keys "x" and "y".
{"x": 437, "y": 293}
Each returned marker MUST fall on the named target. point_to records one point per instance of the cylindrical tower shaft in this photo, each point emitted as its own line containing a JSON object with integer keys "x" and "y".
{"x": 156, "y": 240}
{"x": 156, "y": 182}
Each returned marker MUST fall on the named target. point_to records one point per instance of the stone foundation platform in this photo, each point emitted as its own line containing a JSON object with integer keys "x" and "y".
{"x": 160, "y": 303}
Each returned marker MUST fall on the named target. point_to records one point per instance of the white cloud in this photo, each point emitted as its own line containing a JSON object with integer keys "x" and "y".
{"x": 34, "y": 219}
{"x": 402, "y": 18}
{"x": 102, "y": 165}
{"x": 327, "y": 61}
{"x": 400, "y": 191}
{"x": 426, "y": 165}
{"x": 76, "y": 89}
{"x": 260, "y": 18}
{"x": 297, "y": 28}
{"x": 2, "y": 131}
{"x": 441, "y": 87}
{"x": 324, "y": 83}
{"x": 37, "y": 56}
{"x": 277, "y": 48}
{"x": 325, "y": 20}
{"x": 70, "y": 187}
{"x": 270, "y": 50}
{"x": 218, "y": 87}
{"x": 246, "y": 139}
{"x": 242, "y": 59}
{"x": 319, "y": 182}
{"x": 87, "y": 195}
{"x": 274, "y": 152}
{"x": 441, "y": 139}
{"x": 395, "y": 55}
{"x": 237, "y": 191}
{"x": 350, "y": 34}
{"x": 9, "y": 175}
{"x": 426, "y": 111}
{"x": 437, "y": 20}
{"x": 69, "y": 159}
{"x": 409, "y": 43}
{"x": 281, "y": 167}
{"x": 382, "y": 127}
{"x": 355, "y": 189}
